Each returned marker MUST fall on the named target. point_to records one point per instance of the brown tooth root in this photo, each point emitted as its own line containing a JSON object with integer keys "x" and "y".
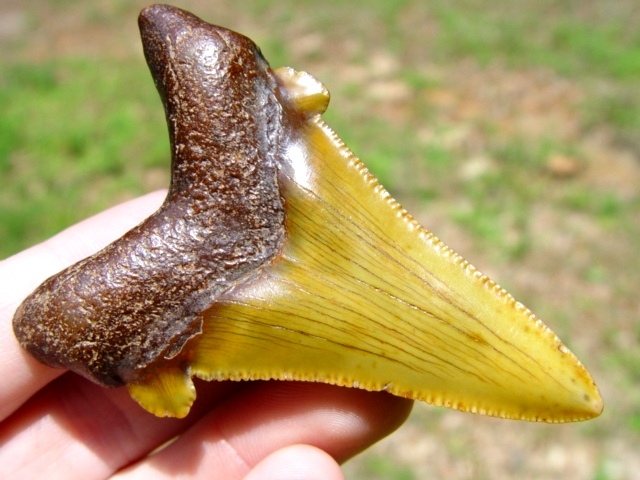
{"x": 140, "y": 298}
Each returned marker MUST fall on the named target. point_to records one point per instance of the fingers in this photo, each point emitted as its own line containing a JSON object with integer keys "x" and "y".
{"x": 265, "y": 417}
{"x": 340, "y": 421}
{"x": 19, "y": 275}
{"x": 297, "y": 462}
{"x": 74, "y": 429}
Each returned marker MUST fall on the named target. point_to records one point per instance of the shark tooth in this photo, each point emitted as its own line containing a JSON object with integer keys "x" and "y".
{"x": 277, "y": 255}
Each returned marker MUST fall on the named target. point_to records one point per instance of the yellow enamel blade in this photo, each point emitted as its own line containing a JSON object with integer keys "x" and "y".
{"x": 365, "y": 297}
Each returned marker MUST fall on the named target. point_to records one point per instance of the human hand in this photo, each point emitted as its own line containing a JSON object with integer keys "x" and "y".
{"x": 60, "y": 425}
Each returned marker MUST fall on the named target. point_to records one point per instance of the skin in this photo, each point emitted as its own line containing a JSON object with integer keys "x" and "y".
{"x": 56, "y": 424}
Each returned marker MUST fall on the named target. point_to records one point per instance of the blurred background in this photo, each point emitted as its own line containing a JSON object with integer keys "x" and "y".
{"x": 509, "y": 129}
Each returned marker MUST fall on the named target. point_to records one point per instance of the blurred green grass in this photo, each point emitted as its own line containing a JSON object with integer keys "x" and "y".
{"x": 80, "y": 132}
{"x": 72, "y": 143}
{"x": 71, "y": 125}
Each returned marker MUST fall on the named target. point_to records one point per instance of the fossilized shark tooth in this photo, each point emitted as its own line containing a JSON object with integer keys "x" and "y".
{"x": 277, "y": 255}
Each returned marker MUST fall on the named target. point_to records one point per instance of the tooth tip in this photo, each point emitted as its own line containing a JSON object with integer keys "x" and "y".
{"x": 594, "y": 402}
